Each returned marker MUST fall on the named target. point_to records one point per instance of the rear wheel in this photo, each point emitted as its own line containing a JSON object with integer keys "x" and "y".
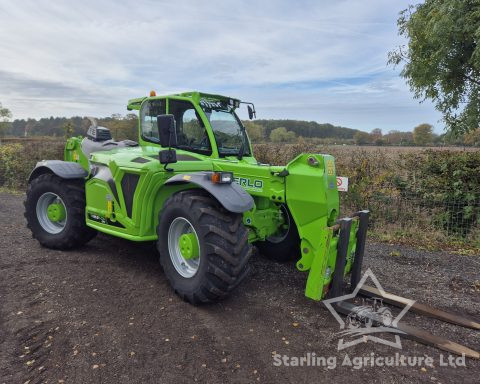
{"x": 203, "y": 248}
{"x": 55, "y": 212}
{"x": 284, "y": 245}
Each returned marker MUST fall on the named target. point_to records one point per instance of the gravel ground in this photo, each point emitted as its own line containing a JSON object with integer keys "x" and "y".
{"x": 105, "y": 314}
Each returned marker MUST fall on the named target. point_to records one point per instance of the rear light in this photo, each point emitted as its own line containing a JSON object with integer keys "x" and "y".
{"x": 222, "y": 177}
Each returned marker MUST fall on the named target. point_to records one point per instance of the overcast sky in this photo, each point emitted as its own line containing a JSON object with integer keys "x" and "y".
{"x": 313, "y": 60}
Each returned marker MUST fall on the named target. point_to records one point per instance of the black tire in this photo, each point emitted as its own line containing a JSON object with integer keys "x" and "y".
{"x": 72, "y": 192}
{"x": 288, "y": 248}
{"x": 223, "y": 243}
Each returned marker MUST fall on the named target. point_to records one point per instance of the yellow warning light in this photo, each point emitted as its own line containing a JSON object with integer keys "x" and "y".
{"x": 153, "y": 93}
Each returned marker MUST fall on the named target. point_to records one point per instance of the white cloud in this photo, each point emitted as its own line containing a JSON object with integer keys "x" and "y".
{"x": 318, "y": 60}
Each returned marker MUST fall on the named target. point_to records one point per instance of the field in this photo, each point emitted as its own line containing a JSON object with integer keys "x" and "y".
{"x": 428, "y": 197}
{"x": 105, "y": 313}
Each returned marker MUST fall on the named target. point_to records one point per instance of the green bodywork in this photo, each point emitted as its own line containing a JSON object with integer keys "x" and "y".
{"x": 309, "y": 191}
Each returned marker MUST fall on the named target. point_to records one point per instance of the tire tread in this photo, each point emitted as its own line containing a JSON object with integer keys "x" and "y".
{"x": 78, "y": 233}
{"x": 226, "y": 244}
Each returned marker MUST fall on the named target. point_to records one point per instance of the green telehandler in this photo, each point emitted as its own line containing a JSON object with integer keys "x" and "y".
{"x": 192, "y": 184}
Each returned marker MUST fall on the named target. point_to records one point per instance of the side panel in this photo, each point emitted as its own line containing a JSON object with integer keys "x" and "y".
{"x": 256, "y": 179}
{"x": 311, "y": 189}
{"x": 112, "y": 210}
{"x": 73, "y": 152}
{"x": 125, "y": 202}
{"x": 312, "y": 198}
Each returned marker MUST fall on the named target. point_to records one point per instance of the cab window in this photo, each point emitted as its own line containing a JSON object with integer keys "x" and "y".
{"x": 150, "y": 110}
{"x": 191, "y": 133}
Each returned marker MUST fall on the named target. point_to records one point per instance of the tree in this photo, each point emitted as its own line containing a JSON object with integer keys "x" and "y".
{"x": 472, "y": 138}
{"x": 398, "y": 138}
{"x": 68, "y": 129}
{"x": 131, "y": 116}
{"x": 393, "y": 137}
{"x": 123, "y": 128}
{"x": 423, "y": 134}
{"x": 362, "y": 138}
{"x": 281, "y": 135}
{"x": 376, "y": 136}
{"x": 449, "y": 139}
{"x": 376, "y": 133}
{"x": 291, "y": 136}
{"x": 442, "y": 58}
{"x": 5, "y": 116}
{"x": 256, "y": 132}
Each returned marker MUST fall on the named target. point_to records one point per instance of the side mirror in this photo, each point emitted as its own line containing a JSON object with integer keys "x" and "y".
{"x": 250, "y": 112}
{"x": 167, "y": 156}
{"x": 167, "y": 131}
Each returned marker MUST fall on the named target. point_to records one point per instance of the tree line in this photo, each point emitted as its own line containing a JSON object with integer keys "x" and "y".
{"x": 422, "y": 135}
{"x": 126, "y": 127}
{"x": 259, "y": 131}
{"x": 122, "y": 127}
{"x": 280, "y": 131}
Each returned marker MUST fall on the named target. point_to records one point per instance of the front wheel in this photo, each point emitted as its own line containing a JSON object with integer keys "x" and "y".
{"x": 55, "y": 212}
{"x": 203, "y": 248}
{"x": 284, "y": 245}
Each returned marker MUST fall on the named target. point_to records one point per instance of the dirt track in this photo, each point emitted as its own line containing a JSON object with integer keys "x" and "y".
{"x": 105, "y": 314}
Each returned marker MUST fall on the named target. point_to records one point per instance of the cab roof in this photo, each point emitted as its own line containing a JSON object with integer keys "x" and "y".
{"x": 134, "y": 104}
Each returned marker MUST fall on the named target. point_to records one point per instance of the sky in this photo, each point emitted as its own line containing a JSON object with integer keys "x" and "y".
{"x": 320, "y": 60}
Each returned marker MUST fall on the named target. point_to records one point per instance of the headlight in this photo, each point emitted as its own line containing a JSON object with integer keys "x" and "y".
{"x": 222, "y": 177}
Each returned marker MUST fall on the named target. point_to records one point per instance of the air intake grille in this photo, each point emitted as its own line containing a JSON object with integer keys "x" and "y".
{"x": 129, "y": 185}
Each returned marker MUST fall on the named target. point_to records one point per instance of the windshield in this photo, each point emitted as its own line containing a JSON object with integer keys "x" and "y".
{"x": 229, "y": 132}
{"x": 191, "y": 133}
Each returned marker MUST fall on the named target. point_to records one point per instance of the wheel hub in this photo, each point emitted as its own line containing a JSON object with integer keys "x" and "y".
{"x": 56, "y": 212}
{"x": 189, "y": 246}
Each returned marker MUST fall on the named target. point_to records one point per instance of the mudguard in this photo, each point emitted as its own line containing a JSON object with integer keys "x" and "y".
{"x": 63, "y": 169}
{"x": 232, "y": 196}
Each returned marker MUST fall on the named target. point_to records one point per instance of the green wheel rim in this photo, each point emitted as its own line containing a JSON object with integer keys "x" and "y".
{"x": 51, "y": 213}
{"x": 183, "y": 247}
